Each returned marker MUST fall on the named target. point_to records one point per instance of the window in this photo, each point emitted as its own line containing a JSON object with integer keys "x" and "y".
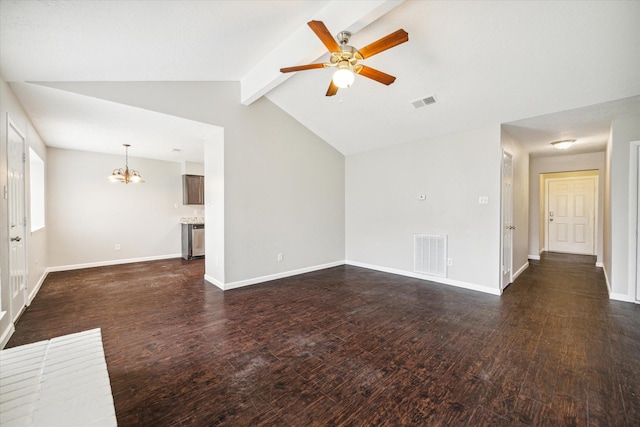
{"x": 36, "y": 180}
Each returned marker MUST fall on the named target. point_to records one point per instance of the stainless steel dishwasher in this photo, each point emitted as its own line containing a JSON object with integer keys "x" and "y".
{"x": 192, "y": 241}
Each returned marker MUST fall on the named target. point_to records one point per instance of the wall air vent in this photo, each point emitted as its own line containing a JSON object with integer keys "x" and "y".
{"x": 430, "y": 254}
{"x": 423, "y": 102}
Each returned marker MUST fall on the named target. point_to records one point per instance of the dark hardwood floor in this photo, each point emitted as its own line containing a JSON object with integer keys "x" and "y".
{"x": 353, "y": 347}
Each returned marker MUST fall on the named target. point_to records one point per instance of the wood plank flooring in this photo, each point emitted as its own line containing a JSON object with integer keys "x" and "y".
{"x": 348, "y": 346}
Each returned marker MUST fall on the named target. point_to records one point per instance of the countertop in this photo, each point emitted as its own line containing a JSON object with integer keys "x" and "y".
{"x": 192, "y": 220}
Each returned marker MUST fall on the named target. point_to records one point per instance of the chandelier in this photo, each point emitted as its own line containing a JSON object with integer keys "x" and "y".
{"x": 125, "y": 175}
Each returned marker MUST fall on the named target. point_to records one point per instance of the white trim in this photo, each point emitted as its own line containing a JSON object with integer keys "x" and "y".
{"x": 519, "y": 272}
{"x": 35, "y": 291}
{"x": 6, "y": 336}
{"x": 503, "y": 285}
{"x": 634, "y": 219}
{"x": 606, "y": 280}
{"x": 436, "y": 279}
{"x": 256, "y": 280}
{"x": 599, "y": 265}
{"x": 534, "y": 257}
{"x": 112, "y": 262}
{"x": 214, "y": 281}
{"x": 621, "y": 297}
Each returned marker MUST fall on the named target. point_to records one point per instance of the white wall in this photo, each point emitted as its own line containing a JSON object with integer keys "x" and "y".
{"x": 617, "y": 229}
{"x": 520, "y": 159}
{"x": 566, "y": 163}
{"x": 36, "y": 242}
{"x": 193, "y": 168}
{"x": 87, "y": 214}
{"x": 383, "y": 211}
{"x": 283, "y": 185}
{"x": 214, "y": 210}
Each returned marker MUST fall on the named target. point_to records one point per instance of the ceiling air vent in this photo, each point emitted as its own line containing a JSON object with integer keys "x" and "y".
{"x": 423, "y": 102}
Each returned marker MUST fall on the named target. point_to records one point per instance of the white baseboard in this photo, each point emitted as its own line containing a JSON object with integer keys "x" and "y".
{"x": 599, "y": 264}
{"x": 256, "y": 280}
{"x": 35, "y": 291}
{"x": 534, "y": 257}
{"x": 519, "y": 272}
{"x": 437, "y": 279}
{"x": 613, "y": 295}
{"x": 214, "y": 281}
{"x": 111, "y": 262}
{"x": 621, "y": 297}
{"x": 606, "y": 280}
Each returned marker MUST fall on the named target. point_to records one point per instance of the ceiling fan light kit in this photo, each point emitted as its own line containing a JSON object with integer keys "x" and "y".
{"x": 563, "y": 144}
{"x": 346, "y": 58}
{"x": 343, "y": 77}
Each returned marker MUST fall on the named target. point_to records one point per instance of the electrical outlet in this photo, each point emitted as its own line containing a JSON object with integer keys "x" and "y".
{"x": 422, "y": 197}
{"x": 483, "y": 200}
{"x": 449, "y": 262}
{"x": 117, "y": 246}
{"x": 280, "y": 257}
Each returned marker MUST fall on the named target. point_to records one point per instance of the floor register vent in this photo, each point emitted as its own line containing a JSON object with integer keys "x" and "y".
{"x": 430, "y": 254}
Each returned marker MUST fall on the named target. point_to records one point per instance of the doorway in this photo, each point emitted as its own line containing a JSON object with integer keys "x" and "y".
{"x": 570, "y": 214}
{"x": 16, "y": 143}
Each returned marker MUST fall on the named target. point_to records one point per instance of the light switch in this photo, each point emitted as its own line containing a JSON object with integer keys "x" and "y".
{"x": 422, "y": 197}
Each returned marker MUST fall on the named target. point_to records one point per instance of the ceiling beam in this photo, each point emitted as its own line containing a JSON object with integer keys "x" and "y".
{"x": 303, "y": 47}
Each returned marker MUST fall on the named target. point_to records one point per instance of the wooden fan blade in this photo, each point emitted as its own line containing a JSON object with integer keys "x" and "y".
{"x": 301, "y": 68}
{"x": 333, "y": 89}
{"x": 387, "y": 42}
{"x": 324, "y": 35}
{"x": 376, "y": 75}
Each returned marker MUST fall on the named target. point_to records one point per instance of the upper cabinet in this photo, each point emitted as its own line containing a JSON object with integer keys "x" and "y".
{"x": 192, "y": 189}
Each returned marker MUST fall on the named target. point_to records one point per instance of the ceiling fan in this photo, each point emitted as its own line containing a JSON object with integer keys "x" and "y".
{"x": 346, "y": 58}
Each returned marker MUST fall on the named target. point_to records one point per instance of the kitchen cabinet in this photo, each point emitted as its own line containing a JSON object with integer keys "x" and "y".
{"x": 192, "y": 189}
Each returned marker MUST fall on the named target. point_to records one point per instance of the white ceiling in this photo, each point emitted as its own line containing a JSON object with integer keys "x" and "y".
{"x": 545, "y": 68}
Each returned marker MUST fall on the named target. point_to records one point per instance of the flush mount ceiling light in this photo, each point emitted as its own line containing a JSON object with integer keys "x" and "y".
{"x": 126, "y": 175}
{"x": 563, "y": 144}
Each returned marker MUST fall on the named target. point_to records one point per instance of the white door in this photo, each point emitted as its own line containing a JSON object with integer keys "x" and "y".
{"x": 507, "y": 219}
{"x": 17, "y": 220}
{"x": 571, "y": 215}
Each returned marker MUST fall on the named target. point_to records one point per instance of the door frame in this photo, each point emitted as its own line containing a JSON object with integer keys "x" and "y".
{"x": 12, "y": 126}
{"x": 596, "y": 178}
{"x": 504, "y": 279}
{"x": 634, "y": 221}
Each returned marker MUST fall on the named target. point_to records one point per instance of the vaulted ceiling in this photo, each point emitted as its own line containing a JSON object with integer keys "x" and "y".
{"x": 546, "y": 69}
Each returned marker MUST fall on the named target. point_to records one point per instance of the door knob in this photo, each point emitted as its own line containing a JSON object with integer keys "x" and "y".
{"x": 550, "y": 219}
{"x": 16, "y": 239}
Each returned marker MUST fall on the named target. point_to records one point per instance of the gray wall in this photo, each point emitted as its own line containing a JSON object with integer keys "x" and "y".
{"x": 618, "y": 227}
{"x": 87, "y": 214}
{"x": 383, "y": 211}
